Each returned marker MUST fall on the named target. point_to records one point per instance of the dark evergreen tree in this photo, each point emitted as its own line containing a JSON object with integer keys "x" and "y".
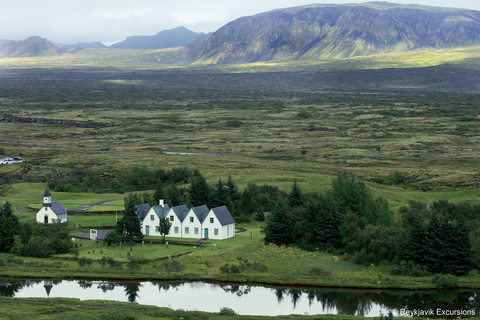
{"x": 158, "y": 193}
{"x": 246, "y": 207}
{"x": 200, "y": 192}
{"x": 129, "y": 225}
{"x": 174, "y": 196}
{"x": 9, "y": 227}
{"x": 279, "y": 227}
{"x": 415, "y": 244}
{"x": 326, "y": 226}
{"x": 220, "y": 195}
{"x": 433, "y": 245}
{"x": 232, "y": 190}
{"x": 295, "y": 197}
{"x": 456, "y": 249}
{"x": 259, "y": 214}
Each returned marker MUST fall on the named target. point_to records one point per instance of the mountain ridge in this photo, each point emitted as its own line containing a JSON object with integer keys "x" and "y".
{"x": 325, "y": 31}
{"x": 177, "y": 37}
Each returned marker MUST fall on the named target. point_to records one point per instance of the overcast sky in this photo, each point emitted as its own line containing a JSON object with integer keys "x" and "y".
{"x": 110, "y": 21}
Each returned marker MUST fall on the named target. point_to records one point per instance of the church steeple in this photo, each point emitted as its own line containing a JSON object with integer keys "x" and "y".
{"x": 47, "y": 197}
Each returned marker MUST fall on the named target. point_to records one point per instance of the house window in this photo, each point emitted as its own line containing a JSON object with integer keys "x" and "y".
{"x": 171, "y": 218}
{"x": 211, "y": 220}
{"x": 228, "y": 231}
{"x": 151, "y": 217}
{"x": 157, "y": 229}
{"x": 175, "y": 230}
{"x": 191, "y": 219}
{"x": 215, "y": 232}
{"x": 195, "y": 230}
{"x": 187, "y": 230}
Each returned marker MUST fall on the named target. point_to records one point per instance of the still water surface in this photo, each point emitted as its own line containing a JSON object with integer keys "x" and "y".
{"x": 247, "y": 299}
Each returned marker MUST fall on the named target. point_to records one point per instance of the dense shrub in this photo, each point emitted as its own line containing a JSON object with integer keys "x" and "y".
{"x": 446, "y": 281}
{"x": 169, "y": 265}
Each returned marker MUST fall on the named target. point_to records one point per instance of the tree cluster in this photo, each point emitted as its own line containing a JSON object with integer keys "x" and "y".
{"x": 349, "y": 221}
{"x": 31, "y": 238}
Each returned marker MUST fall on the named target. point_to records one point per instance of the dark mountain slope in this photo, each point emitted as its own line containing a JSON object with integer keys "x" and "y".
{"x": 337, "y": 31}
{"x": 31, "y": 47}
{"x": 177, "y": 37}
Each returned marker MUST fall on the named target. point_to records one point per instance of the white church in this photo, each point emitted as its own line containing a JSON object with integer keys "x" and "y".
{"x": 51, "y": 212}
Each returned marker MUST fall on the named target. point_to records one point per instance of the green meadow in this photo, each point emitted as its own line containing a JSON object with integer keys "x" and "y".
{"x": 406, "y": 124}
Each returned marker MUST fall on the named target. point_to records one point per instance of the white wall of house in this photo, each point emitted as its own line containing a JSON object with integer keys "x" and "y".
{"x": 213, "y": 229}
{"x": 46, "y": 214}
{"x": 192, "y": 228}
{"x": 176, "y": 229}
{"x": 151, "y": 224}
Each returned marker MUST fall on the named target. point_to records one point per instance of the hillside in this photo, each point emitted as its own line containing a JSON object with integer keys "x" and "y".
{"x": 337, "y": 31}
{"x": 31, "y": 47}
{"x": 177, "y": 37}
{"x": 85, "y": 45}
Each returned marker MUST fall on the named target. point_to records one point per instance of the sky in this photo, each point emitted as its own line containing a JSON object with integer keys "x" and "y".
{"x": 111, "y": 21}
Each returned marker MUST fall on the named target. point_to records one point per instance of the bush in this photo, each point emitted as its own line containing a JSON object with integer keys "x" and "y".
{"x": 227, "y": 268}
{"x": 227, "y": 311}
{"x": 410, "y": 269}
{"x": 85, "y": 262}
{"x": 318, "y": 271}
{"x": 169, "y": 265}
{"x": 446, "y": 281}
{"x": 118, "y": 315}
{"x": 234, "y": 123}
{"x": 133, "y": 264}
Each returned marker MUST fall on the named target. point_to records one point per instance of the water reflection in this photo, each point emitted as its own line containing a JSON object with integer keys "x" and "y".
{"x": 245, "y": 299}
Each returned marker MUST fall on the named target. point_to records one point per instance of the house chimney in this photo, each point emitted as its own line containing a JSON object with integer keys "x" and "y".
{"x": 160, "y": 202}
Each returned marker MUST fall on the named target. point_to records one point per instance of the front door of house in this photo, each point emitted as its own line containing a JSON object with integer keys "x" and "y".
{"x": 45, "y": 220}
{"x": 206, "y": 233}
{"x": 147, "y": 230}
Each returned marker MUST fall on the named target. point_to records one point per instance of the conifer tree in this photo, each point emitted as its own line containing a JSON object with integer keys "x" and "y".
{"x": 220, "y": 194}
{"x": 278, "y": 228}
{"x": 9, "y": 227}
{"x": 129, "y": 225}
{"x": 232, "y": 190}
{"x": 456, "y": 249}
{"x": 415, "y": 244}
{"x": 173, "y": 195}
{"x": 158, "y": 193}
{"x": 200, "y": 192}
{"x": 433, "y": 245}
{"x": 295, "y": 197}
{"x": 326, "y": 225}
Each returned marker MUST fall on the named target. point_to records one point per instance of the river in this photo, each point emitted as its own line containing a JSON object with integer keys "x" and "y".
{"x": 252, "y": 299}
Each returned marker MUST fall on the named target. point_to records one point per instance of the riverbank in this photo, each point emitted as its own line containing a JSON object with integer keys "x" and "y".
{"x": 62, "y": 308}
{"x": 244, "y": 259}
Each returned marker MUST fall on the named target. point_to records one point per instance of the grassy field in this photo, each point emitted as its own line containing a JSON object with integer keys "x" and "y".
{"x": 262, "y": 263}
{"x": 406, "y": 124}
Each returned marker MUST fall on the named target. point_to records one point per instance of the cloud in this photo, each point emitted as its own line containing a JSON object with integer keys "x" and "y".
{"x": 113, "y": 20}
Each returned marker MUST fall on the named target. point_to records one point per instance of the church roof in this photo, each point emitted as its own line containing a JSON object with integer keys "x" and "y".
{"x": 47, "y": 192}
{"x": 57, "y": 208}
